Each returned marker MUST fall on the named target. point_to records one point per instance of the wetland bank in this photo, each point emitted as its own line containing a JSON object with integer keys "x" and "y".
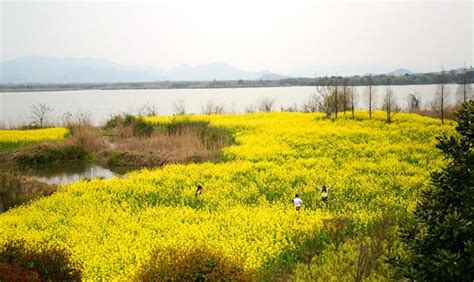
{"x": 125, "y": 143}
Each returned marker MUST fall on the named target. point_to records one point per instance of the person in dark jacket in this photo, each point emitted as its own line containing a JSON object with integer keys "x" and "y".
{"x": 199, "y": 191}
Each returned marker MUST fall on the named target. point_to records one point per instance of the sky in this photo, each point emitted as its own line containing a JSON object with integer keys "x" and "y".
{"x": 281, "y": 36}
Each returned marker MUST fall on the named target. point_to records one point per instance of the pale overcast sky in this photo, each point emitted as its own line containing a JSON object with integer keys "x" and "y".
{"x": 252, "y": 35}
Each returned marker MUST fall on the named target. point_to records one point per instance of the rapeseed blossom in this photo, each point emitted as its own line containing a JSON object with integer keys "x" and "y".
{"x": 15, "y": 138}
{"x": 245, "y": 212}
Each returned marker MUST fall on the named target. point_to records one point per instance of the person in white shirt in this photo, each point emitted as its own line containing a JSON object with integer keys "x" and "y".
{"x": 297, "y": 202}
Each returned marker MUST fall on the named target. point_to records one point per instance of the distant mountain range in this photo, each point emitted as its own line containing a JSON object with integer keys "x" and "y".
{"x": 38, "y": 69}
{"x": 400, "y": 72}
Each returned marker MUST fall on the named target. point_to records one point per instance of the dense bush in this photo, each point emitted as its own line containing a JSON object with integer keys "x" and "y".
{"x": 198, "y": 264}
{"x": 142, "y": 128}
{"x": 137, "y": 124}
{"x": 441, "y": 240}
{"x": 20, "y": 262}
{"x": 119, "y": 120}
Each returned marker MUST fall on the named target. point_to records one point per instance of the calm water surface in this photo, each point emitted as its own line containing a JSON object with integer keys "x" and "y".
{"x": 101, "y": 104}
{"x": 76, "y": 173}
{"x": 66, "y": 173}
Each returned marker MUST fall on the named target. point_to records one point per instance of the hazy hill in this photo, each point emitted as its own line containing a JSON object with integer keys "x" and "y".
{"x": 213, "y": 71}
{"x": 271, "y": 76}
{"x": 340, "y": 70}
{"x": 37, "y": 69}
{"x": 400, "y": 72}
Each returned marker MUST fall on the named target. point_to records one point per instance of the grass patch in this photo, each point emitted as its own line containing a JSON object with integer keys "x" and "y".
{"x": 198, "y": 264}
{"x": 49, "y": 153}
{"x": 21, "y": 262}
{"x": 133, "y": 141}
{"x": 127, "y": 140}
{"x": 16, "y": 190}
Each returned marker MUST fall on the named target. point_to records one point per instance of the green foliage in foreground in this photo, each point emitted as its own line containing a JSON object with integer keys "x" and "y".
{"x": 441, "y": 240}
{"x": 19, "y": 262}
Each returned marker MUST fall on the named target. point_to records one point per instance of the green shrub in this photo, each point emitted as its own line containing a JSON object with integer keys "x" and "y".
{"x": 114, "y": 122}
{"x": 16, "y": 189}
{"x": 117, "y": 158}
{"x": 18, "y": 262}
{"x": 120, "y": 120}
{"x": 142, "y": 128}
{"x": 177, "y": 126}
{"x": 138, "y": 125}
{"x": 441, "y": 240}
{"x": 198, "y": 264}
{"x": 212, "y": 137}
{"x": 49, "y": 153}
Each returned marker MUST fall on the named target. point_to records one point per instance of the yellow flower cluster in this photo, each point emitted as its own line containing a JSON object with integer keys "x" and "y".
{"x": 245, "y": 211}
{"x": 15, "y": 138}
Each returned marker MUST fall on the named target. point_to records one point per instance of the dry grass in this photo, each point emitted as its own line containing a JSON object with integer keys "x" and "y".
{"x": 128, "y": 141}
{"x": 448, "y": 114}
{"x": 16, "y": 189}
{"x": 132, "y": 142}
{"x": 88, "y": 137}
{"x": 159, "y": 149}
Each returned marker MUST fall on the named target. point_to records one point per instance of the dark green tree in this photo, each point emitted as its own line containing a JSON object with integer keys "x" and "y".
{"x": 441, "y": 241}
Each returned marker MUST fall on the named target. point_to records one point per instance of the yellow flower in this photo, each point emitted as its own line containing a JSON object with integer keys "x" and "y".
{"x": 246, "y": 210}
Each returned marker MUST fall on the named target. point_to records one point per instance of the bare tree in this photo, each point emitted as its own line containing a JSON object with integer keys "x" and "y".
{"x": 39, "y": 113}
{"x": 441, "y": 96}
{"x": 344, "y": 95}
{"x": 291, "y": 109}
{"x": 390, "y": 105}
{"x": 353, "y": 99}
{"x": 414, "y": 103}
{"x": 326, "y": 101}
{"x": 250, "y": 109}
{"x": 147, "y": 110}
{"x": 265, "y": 104}
{"x": 150, "y": 109}
{"x": 311, "y": 104}
{"x": 179, "y": 108}
{"x": 335, "y": 92}
{"x": 371, "y": 94}
{"x": 464, "y": 88}
{"x": 212, "y": 108}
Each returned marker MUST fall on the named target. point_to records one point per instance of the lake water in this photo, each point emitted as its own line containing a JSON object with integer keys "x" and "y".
{"x": 74, "y": 174}
{"x": 66, "y": 173}
{"x": 102, "y": 104}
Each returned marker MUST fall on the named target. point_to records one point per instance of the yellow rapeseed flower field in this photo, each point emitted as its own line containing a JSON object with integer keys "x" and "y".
{"x": 15, "y": 138}
{"x": 245, "y": 212}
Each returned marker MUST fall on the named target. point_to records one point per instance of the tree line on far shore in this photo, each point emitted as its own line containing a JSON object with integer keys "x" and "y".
{"x": 336, "y": 95}
{"x": 451, "y": 77}
{"x": 333, "y": 96}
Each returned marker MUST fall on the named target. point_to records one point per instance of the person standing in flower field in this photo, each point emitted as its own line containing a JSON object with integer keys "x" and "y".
{"x": 297, "y": 202}
{"x": 199, "y": 191}
{"x": 324, "y": 194}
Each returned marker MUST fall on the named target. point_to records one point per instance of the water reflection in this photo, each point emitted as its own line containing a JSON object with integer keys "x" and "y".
{"x": 87, "y": 172}
{"x": 20, "y": 185}
{"x": 65, "y": 173}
